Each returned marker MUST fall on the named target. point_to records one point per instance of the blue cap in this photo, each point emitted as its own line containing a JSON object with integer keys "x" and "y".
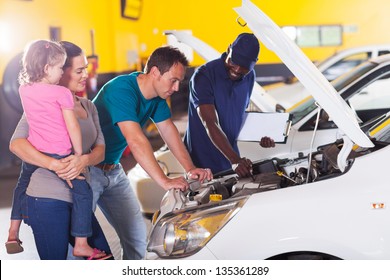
{"x": 245, "y": 50}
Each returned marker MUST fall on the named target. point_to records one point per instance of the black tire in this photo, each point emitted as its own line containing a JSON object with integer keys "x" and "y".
{"x": 304, "y": 256}
{"x": 11, "y": 84}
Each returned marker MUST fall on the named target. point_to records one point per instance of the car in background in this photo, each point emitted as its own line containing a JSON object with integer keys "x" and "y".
{"x": 366, "y": 88}
{"x": 288, "y": 94}
{"x": 344, "y": 60}
{"x": 330, "y": 204}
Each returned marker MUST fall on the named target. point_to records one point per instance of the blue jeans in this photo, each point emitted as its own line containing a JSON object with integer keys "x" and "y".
{"x": 115, "y": 197}
{"x": 81, "y": 195}
{"x": 50, "y": 220}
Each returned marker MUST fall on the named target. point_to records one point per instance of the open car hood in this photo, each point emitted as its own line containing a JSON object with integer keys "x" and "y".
{"x": 298, "y": 63}
{"x": 263, "y": 101}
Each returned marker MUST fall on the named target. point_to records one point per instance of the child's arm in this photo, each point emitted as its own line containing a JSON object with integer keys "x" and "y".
{"x": 74, "y": 131}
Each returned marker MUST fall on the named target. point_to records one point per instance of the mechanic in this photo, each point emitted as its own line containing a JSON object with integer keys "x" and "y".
{"x": 220, "y": 92}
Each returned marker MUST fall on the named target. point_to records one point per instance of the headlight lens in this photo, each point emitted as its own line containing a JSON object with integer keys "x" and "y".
{"x": 184, "y": 232}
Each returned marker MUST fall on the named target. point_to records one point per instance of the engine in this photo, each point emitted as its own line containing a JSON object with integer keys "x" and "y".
{"x": 268, "y": 175}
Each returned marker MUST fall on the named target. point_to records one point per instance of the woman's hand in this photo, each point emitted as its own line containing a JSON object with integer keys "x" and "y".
{"x": 56, "y": 165}
{"x": 75, "y": 166}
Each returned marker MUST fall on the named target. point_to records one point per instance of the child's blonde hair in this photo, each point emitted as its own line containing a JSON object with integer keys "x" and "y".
{"x": 36, "y": 55}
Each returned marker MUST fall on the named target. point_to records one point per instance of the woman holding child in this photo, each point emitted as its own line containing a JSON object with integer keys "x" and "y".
{"x": 48, "y": 200}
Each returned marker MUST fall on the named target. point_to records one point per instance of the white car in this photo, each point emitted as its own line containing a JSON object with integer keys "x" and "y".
{"x": 366, "y": 88}
{"x": 289, "y": 94}
{"x": 329, "y": 204}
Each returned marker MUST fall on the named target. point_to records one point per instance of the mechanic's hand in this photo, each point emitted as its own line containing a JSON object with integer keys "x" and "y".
{"x": 176, "y": 183}
{"x": 200, "y": 174}
{"x": 243, "y": 168}
{"x": 267, "y": 142}
{"x": 75, "y": 166}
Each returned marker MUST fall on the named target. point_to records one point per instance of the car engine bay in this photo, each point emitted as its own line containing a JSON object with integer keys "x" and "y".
{"x": 268, "y": 175}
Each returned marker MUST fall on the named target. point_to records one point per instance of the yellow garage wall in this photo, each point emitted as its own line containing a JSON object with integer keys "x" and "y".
{"x": 22, "y": 21}
{"x": 369, "y": 18}
{"x": 213, "y": 21}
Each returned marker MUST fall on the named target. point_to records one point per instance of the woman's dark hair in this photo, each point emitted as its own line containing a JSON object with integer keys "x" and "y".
{"x": 164, "y": 58}
{"x": 72, "y": 51}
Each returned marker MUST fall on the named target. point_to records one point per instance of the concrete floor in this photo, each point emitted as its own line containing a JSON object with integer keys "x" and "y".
{"x": 8, "y": 179}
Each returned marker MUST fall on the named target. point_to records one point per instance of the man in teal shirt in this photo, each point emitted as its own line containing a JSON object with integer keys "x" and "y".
{"x": 116, "y": 105}
{"x": 124, "y": 105}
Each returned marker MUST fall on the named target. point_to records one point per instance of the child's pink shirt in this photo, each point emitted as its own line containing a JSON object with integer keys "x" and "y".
{"x": 43, "y": 104}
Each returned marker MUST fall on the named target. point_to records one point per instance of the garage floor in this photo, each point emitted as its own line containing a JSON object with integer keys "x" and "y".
{"x": 8, "y": 178}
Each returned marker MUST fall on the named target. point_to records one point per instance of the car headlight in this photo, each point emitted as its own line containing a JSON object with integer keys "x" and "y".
{"x": 184, "y": 232}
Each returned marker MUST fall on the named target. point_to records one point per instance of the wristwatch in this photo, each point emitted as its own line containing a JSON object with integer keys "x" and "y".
{"x": 234, "y": 166}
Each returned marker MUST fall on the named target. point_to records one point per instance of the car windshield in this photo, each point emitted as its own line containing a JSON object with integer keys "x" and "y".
{"x": 304, "y": 107}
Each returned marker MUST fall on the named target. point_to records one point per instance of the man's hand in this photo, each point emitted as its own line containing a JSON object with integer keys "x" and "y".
{"x": 200, "y": 174}
{"x": 243, "y": 167}
{"x": 176, "y": 183}
{"x": 267, "y": 142}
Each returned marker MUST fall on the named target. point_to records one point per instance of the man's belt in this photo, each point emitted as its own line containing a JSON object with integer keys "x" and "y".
{"x": 106, "y": 166}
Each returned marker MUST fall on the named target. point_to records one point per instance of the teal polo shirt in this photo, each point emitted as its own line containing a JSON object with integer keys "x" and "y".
{"x": 120, "y": 100}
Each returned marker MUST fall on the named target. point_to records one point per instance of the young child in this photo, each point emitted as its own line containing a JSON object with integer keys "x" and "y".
{"x": 53, "y": 130}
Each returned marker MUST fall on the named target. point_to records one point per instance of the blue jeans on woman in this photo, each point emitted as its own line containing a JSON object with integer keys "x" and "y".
{"x": 50, "y": 220}
{"x": 81, "y": 195}
{"x": 116, "y": 199}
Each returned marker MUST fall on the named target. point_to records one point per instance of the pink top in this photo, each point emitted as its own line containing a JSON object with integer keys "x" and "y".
{"x": 43, "y": 105}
